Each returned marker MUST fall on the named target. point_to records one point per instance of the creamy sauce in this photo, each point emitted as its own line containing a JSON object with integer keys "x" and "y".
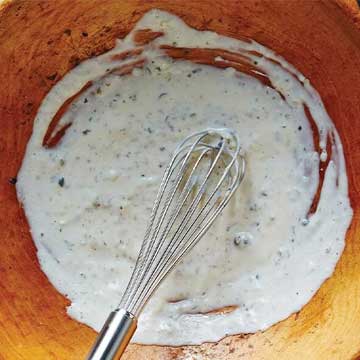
{"x": 88, "y": 198}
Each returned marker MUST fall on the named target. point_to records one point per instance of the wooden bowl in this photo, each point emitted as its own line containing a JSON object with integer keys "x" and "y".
{"x": 41, "y": 40}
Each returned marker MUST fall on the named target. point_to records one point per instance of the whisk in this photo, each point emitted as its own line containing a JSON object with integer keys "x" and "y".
{"x": 203, "y": 174}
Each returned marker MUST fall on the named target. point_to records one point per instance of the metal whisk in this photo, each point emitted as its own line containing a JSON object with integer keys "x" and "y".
{"x": 203, "y": 174}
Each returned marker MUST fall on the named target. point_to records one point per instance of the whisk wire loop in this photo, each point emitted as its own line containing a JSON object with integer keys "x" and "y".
{"x": 147, "y": 246}
{"x": 197, "y": 184}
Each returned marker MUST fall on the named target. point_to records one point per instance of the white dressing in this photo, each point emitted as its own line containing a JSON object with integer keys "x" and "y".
{"x": 88, "y": 199}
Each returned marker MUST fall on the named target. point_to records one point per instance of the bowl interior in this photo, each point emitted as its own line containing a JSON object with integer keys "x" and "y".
{"x": 41, "y": 40}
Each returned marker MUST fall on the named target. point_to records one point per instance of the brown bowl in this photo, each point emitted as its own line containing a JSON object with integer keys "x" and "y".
{"x": 41, "y": 40}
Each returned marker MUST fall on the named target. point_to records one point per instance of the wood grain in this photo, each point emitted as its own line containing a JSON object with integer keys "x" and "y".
{"x": 41, "y": 40}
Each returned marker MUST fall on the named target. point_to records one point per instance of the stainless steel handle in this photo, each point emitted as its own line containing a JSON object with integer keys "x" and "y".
{"x": 114, "y": 336}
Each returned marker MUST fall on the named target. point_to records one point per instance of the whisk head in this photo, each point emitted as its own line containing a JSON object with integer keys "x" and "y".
{"x": 204, "y": 172}
{"x": 202, "y": 175}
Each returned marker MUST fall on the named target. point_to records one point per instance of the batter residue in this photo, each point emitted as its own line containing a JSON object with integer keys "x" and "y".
{"x": 87, "y": 182}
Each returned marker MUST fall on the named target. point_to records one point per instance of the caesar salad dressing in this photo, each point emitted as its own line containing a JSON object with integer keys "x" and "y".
{"x": 88, "y": 198}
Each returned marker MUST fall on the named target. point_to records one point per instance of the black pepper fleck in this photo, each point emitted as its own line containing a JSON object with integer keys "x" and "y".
{"x": 13, "y": 180}
{"x": 61, "y": 182}
{"x": 196, "y": 70}
{"x": 52, "y": 77}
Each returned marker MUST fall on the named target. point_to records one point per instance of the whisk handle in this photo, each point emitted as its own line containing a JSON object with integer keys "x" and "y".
{"x": 114, "y": 336}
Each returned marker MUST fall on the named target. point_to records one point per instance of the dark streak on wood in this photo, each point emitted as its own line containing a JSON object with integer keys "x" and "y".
{"x": 323, "y": 165}
{"x": 145, "y": 36}
{"x": 50, "y": 140}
